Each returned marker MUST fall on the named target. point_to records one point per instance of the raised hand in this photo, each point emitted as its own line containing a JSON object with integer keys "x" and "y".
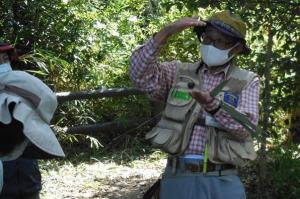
{"x": 176, "y": 27}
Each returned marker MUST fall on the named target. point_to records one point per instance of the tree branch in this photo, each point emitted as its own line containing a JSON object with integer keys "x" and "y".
{"x": 113, "y": 92}
{"x": 108, "y": 126}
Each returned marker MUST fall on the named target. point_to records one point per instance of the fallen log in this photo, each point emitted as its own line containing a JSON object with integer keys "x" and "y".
{"x": 101, "y": 93}
{"x": 120, "y": 125}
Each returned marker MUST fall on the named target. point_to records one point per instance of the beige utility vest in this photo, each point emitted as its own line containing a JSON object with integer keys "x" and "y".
{"x": 173, "y": 131}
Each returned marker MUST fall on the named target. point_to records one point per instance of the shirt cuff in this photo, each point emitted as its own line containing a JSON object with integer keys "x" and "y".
{"x": 154, "y": 44}
{"x": 214, "y": 105}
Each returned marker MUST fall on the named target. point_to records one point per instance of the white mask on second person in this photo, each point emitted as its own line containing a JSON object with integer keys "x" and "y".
{"x": 5, "y": 67}
{"x": 213, "y": 56}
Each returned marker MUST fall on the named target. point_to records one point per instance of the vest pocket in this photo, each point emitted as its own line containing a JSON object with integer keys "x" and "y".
{"x": 178, "y": 105}
{"x": 222, "y": 149}
{"x": 166, "y": 138}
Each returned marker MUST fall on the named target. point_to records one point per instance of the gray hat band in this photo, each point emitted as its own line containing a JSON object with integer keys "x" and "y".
{"x": 32, "y": 98}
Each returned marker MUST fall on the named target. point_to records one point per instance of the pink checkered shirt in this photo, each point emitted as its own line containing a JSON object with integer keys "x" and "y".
{"x": 157, "y": 78}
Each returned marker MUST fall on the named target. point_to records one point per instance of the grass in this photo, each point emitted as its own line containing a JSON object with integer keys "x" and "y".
{"x": 124, "y": 172}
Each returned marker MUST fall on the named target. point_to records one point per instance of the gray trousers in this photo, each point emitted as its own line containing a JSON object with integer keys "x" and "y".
{"x": 188, "y": 185}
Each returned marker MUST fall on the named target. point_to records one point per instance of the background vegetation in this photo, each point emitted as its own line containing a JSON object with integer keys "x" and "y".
{"x": 78, "y": 45}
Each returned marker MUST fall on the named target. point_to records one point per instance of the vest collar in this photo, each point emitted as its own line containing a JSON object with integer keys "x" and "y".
{"x": 224, "y": 70}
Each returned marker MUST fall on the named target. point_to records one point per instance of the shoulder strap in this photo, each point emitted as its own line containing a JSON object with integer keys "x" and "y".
{"x": 184, "y": 67}
{"x": 190, "y": 70}
{"x": 238, "y": 79}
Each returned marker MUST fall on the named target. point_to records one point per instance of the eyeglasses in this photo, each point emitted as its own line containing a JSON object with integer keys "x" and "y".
{"x": 216, "y": 42}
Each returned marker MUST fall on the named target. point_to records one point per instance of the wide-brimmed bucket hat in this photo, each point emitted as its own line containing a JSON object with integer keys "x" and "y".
{"x": 229, "y": 24}
{"x": 34, "y": 104}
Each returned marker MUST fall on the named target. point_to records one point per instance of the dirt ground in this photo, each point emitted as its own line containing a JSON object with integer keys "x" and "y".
{"x": 100, "y": 180}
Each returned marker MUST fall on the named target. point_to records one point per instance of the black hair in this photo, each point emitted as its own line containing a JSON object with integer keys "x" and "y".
{"x": 10, "y": 134}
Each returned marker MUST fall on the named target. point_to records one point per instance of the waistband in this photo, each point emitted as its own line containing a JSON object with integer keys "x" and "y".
{"x": 189, "y": 165}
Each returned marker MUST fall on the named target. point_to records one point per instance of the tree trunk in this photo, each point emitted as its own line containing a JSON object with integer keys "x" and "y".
{"x": 295, "y": 113}
{"x": 263, "y": 181}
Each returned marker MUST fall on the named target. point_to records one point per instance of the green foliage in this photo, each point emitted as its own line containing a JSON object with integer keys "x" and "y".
{"x": 285, "y": 171}
{"x": 78, "y": 45}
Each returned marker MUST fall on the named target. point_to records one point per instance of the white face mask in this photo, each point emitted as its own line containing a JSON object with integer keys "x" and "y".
{"x": 213, "y": 56}
{"x": 5, "y": 67}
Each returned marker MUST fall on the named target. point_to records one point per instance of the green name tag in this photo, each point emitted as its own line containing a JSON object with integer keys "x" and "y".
{"x": 181, "y": 95}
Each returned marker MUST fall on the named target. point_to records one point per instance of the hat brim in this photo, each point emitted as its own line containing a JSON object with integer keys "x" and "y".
{"x": 199, "y": 30}
{"x": 36, "y": 130}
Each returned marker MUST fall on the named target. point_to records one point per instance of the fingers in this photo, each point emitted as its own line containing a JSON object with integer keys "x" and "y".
{"x": 201, "y": 97}
{"x": 202, "y": 23}
{"x": 197, "y": 95}
{"x": 190, "y": 22}
{"x": 182, "y": 24}
{"x": 197, "y": 21}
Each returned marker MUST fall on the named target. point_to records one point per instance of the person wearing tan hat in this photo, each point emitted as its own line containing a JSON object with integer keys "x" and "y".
{"x": 26, "y": 107}
{"x": 211, "y": 108}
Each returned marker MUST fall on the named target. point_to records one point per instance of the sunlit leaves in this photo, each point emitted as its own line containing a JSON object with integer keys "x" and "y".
{"x": 81, "y": 44}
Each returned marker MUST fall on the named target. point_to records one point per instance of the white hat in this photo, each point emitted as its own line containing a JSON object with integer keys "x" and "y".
{"x": 34, "y": 106}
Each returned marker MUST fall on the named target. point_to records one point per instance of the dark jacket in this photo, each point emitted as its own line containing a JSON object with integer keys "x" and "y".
{"x": 21, "y": 177}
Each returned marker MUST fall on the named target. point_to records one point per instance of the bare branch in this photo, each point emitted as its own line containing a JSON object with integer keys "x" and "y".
{"x": 113, "y": 92}
{"x": 107, "y": 126}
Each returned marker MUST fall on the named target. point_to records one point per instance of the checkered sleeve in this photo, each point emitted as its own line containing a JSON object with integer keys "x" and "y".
{"x": 248, "y": 105}
{"x": 148, "y": 74}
